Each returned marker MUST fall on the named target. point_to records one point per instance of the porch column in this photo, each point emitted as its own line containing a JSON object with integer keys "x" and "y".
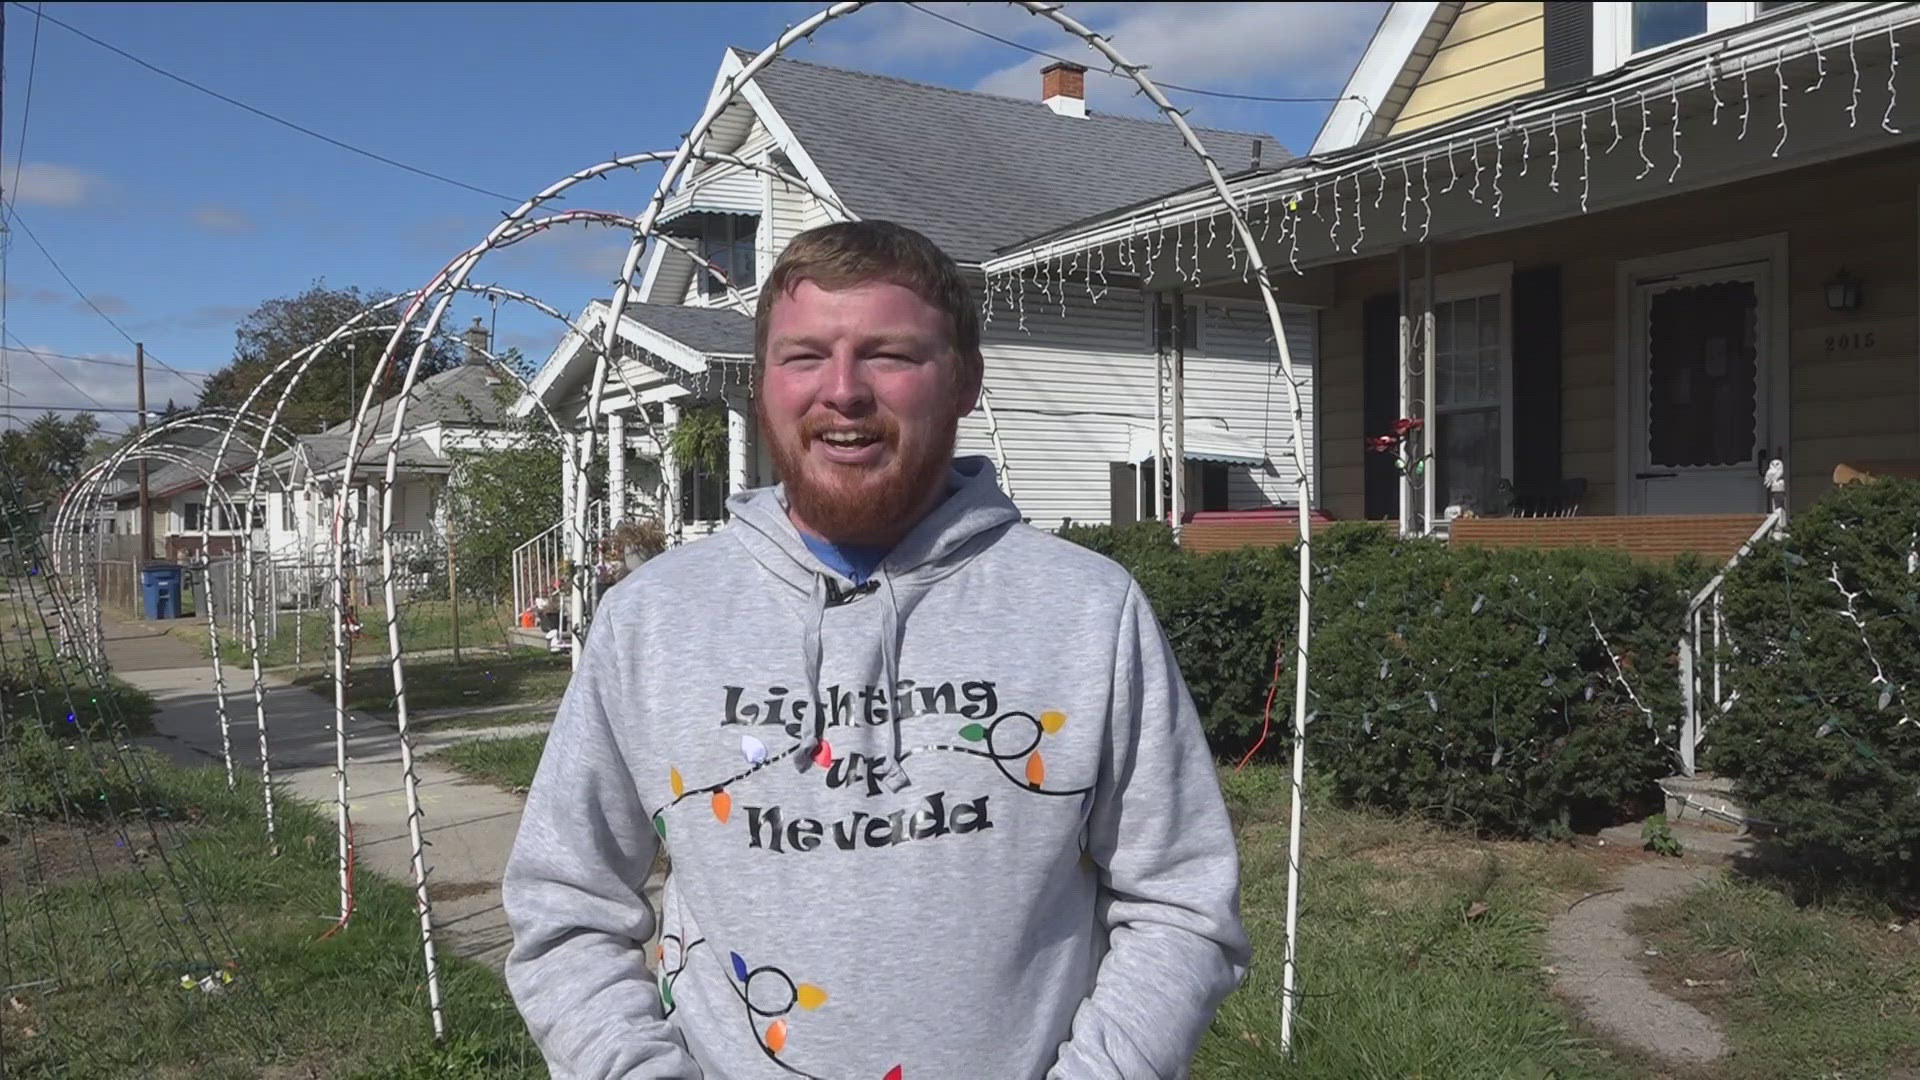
{"x": 1178, "y": 322}
{"x": 616, "y": 468}
{"x": 739, "y": 449}
{"x": 1160, "y": 381}
{"x": 1404, "y": 357}
{"x": 669, "y": 472}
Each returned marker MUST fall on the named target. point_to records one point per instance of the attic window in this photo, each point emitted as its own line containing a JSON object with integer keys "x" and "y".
{"x": 727, "y": 241}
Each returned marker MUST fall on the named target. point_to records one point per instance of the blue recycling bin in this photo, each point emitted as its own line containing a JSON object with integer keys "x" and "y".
{"x": 160, "y": 590}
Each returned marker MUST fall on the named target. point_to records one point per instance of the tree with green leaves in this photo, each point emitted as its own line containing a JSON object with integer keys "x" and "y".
{"x": 42, "y": 459}
{"x": 331, "y": 390}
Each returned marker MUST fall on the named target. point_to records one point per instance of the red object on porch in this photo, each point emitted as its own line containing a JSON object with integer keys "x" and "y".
{"x": 1229, "y": 530}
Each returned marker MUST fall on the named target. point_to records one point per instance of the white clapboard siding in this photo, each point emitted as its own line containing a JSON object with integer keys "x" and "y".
{"x": 726, "y": 187}
{"x": 1068, "y": 392}
{"x": 791, "y": 208}
{"x": 1236, "y": 378}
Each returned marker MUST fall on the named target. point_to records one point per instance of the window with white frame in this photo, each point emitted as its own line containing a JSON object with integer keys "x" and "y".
{"x": 1470, "y": 400}
{"x": 1622, "y": 31}
{"x": 289, "y": 518}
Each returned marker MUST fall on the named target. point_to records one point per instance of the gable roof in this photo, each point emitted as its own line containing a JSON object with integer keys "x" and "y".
{"x": 463, "y": 394}
{"x": 976, "y": 172}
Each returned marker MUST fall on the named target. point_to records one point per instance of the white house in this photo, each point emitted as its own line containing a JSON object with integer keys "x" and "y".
{"x": 1071, "y": 408}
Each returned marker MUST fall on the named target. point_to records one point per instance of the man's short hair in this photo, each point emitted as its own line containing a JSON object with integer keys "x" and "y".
{"x": 849, "y": 253}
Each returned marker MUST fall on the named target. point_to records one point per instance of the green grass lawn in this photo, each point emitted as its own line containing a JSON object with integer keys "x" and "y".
{"x": 1402, "y": 972}
{"x": 1803, "y": 992}
{"x": 113, "y": 926}
{"x": 508, "y": 762}
{"x": 439, "y": 683}
{"x": 306, "y": 637}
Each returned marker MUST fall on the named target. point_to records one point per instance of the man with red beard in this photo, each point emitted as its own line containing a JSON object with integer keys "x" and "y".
{"x": 935, "y": 795}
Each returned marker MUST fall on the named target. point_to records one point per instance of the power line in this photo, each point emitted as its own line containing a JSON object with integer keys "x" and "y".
{"x": 88, "y": 300}
{"x": 26, "y": 111}
{"x": 25, "y": 407}
{"x": 77, "y": 290}
{"x": 56, "y": 371}
{"x": 282, "y": 121}
{"x": 1056, "y": 56}
{"x": 117, "y": 363}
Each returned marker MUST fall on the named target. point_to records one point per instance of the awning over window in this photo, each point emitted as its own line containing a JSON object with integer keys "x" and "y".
{"x": 1201, "y": 441}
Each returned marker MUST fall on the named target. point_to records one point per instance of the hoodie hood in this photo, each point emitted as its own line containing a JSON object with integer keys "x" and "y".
{"x": 973, "y": 513}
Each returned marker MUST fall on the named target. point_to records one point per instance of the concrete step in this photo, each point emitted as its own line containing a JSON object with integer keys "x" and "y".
{"x": 1707, "y": 800}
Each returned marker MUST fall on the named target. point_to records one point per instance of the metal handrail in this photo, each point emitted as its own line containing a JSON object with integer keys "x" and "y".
{"x": 1692, "y": 724}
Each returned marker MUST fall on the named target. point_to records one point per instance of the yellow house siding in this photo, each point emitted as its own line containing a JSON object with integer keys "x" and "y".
{"x": 1847, "y": 401}
{"x": 1492, "y": 52}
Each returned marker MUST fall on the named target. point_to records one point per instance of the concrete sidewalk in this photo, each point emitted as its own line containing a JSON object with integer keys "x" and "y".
{"x": 469, "y": 826}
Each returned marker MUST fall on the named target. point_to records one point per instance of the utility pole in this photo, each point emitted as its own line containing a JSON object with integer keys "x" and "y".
{"x": 146, "y": 509}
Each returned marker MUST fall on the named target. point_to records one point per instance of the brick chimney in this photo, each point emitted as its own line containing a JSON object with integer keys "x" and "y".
{"x": 477, "y": 340}
{"x": 1063, "y": 88}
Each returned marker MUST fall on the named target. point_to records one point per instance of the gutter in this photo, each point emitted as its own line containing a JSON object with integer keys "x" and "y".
{"x": 1690, "y": 68}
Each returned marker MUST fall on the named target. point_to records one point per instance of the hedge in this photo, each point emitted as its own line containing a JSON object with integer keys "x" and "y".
{"x": 1517, "y": 692}
{"x": 1824, "y": 739}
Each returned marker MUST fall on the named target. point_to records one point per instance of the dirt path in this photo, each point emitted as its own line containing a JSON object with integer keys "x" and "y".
{"x": 1599, "y": 967}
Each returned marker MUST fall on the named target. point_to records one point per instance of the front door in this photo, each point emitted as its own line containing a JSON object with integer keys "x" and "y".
{"x": 1701, "y": 392}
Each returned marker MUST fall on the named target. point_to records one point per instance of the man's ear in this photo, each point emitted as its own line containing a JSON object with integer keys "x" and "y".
{"x": 970, "y": 389}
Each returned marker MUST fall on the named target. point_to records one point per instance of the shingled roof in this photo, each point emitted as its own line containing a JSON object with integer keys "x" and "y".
{"x": 713, "y": 331}
{"x": 978, "y": 172}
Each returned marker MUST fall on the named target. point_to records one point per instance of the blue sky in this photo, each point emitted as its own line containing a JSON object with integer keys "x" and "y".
{"x": 177, "y": 213}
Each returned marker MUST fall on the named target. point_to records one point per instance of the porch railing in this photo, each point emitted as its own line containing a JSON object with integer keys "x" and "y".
{"x": 1704, "y": 693}
{"x": 537, "y": 562}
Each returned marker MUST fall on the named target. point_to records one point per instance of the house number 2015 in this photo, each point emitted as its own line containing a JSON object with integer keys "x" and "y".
{"x": 1850, "y": 342}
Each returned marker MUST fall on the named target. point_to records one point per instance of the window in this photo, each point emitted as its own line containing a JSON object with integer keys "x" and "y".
{"x": 727, "y": 241}
{"x": 193, "y": 517}
{"x": 289, "y": 520}
{"x": 1655, "y": 25}
{"x": 1469, "y": 393}
{"x": 703, "y": 497}
{"x": 1625, "y": 30}
{"x": 1160, "y": 325}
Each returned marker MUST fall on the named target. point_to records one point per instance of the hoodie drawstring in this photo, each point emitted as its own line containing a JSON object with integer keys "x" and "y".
{"x": 896, "y": 777}
{"x": 810, "y": 650}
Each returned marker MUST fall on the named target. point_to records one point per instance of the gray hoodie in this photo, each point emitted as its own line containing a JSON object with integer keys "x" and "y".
{"x": 960, "y": 822}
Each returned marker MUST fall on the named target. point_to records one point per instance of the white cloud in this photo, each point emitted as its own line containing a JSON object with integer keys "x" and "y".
{"x": 1306, "y": 48}
{"x": 1268, "y": 49}
{"x": 88, "y": 383}
{"x": 43, "y": 183}
{"x": 40, "y": 297}
{"x": 223, "y": 219}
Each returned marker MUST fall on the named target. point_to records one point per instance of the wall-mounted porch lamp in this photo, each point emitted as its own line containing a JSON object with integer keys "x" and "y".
{"x": 1843, "y": 292}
